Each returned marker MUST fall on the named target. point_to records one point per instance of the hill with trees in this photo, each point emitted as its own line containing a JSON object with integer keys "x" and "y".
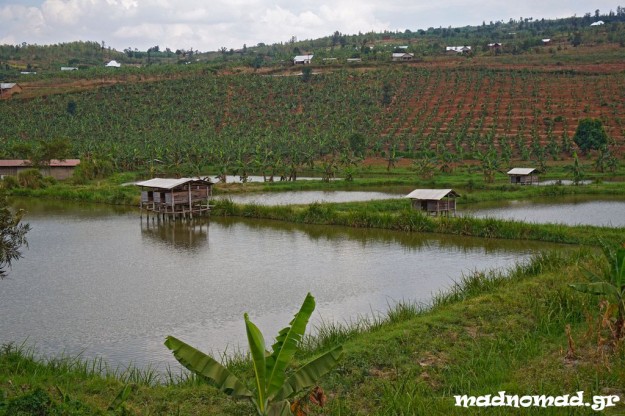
{"x": 513, "y": 96}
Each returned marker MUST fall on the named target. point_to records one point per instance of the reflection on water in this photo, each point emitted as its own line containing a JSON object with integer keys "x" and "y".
{"x": 186, "y": 234}
{"x": 101, "y": 282}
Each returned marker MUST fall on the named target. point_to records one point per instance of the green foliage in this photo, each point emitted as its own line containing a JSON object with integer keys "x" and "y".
{"x": 273, "y": 384}
{"x": 9, "y": 182}
{"x": 31, "y": 179}
{"x": 12, "y": 235}
{"x": 609, "y": 283}
{"x": 590, "y": 135}
{"x": 576, "y": 169}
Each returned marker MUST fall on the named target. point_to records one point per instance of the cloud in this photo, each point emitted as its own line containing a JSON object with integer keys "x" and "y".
{"x": 210, "y": 25}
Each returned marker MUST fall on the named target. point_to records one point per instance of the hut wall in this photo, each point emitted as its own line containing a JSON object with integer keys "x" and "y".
{"x": 524, "y": 179}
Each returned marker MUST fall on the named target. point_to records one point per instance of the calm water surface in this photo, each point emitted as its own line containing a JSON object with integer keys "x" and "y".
{"x": 98, "y": 281}
{"x": 568, "y": 210}
{"x": 309, "y": 197}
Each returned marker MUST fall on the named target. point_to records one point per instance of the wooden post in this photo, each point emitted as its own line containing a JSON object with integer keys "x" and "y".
{"x": 190, "y": 204}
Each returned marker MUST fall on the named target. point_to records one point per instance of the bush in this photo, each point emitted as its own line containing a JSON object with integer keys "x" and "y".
{"x": 31, "y": 179}
{"x": 10, "y": 182}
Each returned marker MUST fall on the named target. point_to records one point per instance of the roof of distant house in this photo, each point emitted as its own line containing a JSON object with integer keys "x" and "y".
{"x": 432, "y": 194}
{"x": 303, "y": 57}
{"x": 26, "y": 163}
{"x": 169, "y": 183}
{"x": 114, "y": 64}
{"x": 521, "y": 171}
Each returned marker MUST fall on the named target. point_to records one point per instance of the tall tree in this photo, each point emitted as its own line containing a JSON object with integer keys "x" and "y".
{"x": 590, "y": 135}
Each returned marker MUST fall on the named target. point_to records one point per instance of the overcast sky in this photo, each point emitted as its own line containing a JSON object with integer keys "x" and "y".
{"x": 208, "y": 25}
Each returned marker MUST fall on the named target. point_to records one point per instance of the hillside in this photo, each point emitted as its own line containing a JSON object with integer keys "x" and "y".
{"x": 520, "y": 101}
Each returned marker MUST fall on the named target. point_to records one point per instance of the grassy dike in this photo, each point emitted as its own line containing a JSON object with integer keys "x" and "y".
{"x": 396, "y": 215}
{"x": 493, "y": 332}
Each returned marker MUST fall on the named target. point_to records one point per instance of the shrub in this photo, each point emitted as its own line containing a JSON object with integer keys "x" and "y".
{"x": 10, "y": 182}
{"x": 31, "y": 179}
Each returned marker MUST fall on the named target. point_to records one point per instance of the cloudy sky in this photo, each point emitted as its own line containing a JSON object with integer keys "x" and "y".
{"x": 207, "y": 25}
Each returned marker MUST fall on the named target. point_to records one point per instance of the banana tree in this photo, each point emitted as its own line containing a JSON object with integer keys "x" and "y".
{"x": 274, "y": 386}
{"x": 611, "y": 284}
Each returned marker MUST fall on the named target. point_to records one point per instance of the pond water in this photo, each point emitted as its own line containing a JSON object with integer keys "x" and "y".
{"x": 98, "y": 281}
{"x": 308, "y": 197}
{"x": 570, "y": 210}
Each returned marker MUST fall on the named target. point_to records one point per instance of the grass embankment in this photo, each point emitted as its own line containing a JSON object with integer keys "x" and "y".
{"x": 395, "y": 215}
{"x": 493, "y": 332}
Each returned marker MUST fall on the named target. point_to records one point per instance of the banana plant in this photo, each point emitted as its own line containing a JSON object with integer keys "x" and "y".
{"x": 273, "y": 384}
{"x": 611, "y": 284}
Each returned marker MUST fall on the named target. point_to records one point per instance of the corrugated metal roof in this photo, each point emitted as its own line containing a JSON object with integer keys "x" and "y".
{"x": 431, "y": 194}
{"x": 13, "y": 163}
{"x": 521, "y": 171}
{"x": 301, "y": 58}
{"x": 53, "y": 163}
{"x": 7, "y": 85}
{"x": 169, "y": 183}
{"x": 67, "y": 163}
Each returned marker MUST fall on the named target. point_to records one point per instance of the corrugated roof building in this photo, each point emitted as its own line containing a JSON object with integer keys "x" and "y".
{"x": 523, "y": 176}
{"x": 434, "y": 201}
{"x": 58, "y": 169}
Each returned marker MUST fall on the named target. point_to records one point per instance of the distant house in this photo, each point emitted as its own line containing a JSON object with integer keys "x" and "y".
{"x": 354, "y": 60}
{"x": 495, "y": 45}
{"x": 546, "y": 41}
{"x": 434, "y": 201}
{"x": 113, "y": 64}
{"x": 598, "y": 23}
{"x": 69, "y": 68}
{"x": 402, "y": 56}
{"x": 458, "y": 49}
{"x": 302, "y": 59}
{"x": 58, "y": 169}
{"x": 7, "y": 89}
{"x": 523, "y": 176}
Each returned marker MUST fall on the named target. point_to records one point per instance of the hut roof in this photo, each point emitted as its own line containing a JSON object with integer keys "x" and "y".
{"x": 522, "y": 171}
{"x": 432, "y": 194}
{"x": 169, "y": 183}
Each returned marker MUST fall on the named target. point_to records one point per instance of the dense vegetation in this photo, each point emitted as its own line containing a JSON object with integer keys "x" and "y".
{"x": 441, "y": 121}
{"x": 281, "y": 125}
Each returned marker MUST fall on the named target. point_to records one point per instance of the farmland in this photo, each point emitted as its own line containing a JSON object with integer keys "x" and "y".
{"x": 254, "y": 122}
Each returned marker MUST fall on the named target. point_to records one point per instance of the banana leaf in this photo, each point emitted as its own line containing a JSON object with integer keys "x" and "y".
{"x": 286, "y": 346}
{"x": 205, "y": 366}
{"x": 597, "y": 288}
{"x": 257, "y": 350}
{"x": 308, "y": 374}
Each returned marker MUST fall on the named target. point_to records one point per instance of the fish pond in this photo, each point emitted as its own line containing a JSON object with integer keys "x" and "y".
{"x": 97, "y": 281}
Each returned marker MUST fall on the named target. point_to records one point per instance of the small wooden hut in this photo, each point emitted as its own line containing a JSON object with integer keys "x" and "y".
{"x": 523, "y": 176}
{"x": 184, "y": 197}
{"x": 434, "y": 201}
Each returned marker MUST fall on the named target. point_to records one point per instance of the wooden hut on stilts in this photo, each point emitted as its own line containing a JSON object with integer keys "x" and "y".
{"x": 175, "y": 198}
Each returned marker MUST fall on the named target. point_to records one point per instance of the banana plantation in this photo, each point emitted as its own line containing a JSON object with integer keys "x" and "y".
{"x": 280, "y": 125}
